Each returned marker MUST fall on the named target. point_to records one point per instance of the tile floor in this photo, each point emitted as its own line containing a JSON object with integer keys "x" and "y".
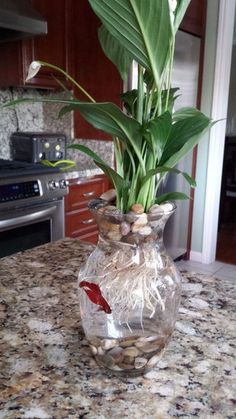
{"x": 217, "y": 269}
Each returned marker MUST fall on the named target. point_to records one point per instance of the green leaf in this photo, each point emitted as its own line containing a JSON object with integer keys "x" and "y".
{"x": 159, "y": 129}
{"x": 105, "y": 116}
{"x": 34, "y": 100}
{"x": 188, "y": 146}
{"x": 184, "y": 113}
{"x": 182, "y": 132}
{"x": 180, "y": 10}
{"x": 192, "y": 182}
{"x": 129, "y": 100}
{"x": 116, "y": 179}
{"x": 171, "y": 196}
{"x": 145, "y": 32}
{"x": 109, "y": 118}
{"x": 171, "y": 99}
{"x": 115, "y": 51}
{"x": 148, "y": 79}
{"x": 164, "y": 169}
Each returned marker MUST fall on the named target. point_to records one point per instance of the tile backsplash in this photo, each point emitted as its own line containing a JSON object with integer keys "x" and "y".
{"x": 42, "y": 117}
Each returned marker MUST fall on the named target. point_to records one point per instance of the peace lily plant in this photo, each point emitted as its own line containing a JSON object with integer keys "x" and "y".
{"x": 149, "y": 137}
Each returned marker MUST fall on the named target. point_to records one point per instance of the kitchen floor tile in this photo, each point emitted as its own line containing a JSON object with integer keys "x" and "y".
{"x": 227, "y": 271}
{"x": 218, "y": 269}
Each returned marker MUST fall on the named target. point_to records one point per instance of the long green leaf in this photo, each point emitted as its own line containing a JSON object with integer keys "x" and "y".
{"x": 181, "y": 8}
{"x": 164, "y": 169}
{"x": 105, "y": 116}
{"x": 161, "y": 170}
{"x": 171, "y": 196}
{"x": 109, "y": 118}
{"x": 182, "y": 132}
{"x": 145, "y": 32}
{"x": 188, "y": 146}
{"x": 116, "y": 179}
{"x": 159, "y": 129}
{"x": 33, "y": 100}
{"x": 184, "y": 113}
{"x": 115, "y": 52}
{"x": 129, "y": 100}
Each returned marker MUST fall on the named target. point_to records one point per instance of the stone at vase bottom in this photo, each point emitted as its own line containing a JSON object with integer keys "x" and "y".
{"x": 129, "y": 290}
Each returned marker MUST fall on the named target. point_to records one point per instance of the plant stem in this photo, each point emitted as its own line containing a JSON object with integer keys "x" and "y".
{"x": 171, "y": 61}
{"x": 140, "y": 95}
{"x": 54, "y": 67}
{"x": 118, "y": 156}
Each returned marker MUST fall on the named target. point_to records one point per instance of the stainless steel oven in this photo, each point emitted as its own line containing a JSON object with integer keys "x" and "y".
{"x": 31, "y": 209}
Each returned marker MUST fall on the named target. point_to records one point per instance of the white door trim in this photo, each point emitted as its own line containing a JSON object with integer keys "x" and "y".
{"x": 217, "y": 134}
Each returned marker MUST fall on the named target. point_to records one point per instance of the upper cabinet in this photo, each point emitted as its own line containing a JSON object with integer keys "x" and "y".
{"x": 194, "y": 19}
{"x": 71, "y": 44}
{"x": 54, "y": 48}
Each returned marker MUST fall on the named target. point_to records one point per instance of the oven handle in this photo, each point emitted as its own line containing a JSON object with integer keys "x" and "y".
{"x": 14, "y": 222}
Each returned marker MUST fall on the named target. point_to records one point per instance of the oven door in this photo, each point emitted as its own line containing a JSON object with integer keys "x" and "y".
{"x": 32, "y": 226}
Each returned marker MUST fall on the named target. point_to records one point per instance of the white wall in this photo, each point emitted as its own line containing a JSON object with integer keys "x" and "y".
{"x": 214, "y": 102}
{"x": 231, "y": 116}
{"x": 206, "y": 107}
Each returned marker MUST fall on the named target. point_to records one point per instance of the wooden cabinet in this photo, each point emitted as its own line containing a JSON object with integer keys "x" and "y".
{"x": 92, "y": 69}
{"x": 79, "y": 221}
{"x": 71, "y": 44}
{"x": 55, "y": 48}
{"x": 194, "y": 19}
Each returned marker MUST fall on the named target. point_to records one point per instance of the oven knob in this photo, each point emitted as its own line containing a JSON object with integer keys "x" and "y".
{"x": 42, "y": 156}
{"x": 59, "y": 155}
{"x": 63, "y": 183}
{"x": 52, "y": 185}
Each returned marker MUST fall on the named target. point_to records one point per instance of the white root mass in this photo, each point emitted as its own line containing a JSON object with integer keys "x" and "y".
{"x": 129, "y": 280}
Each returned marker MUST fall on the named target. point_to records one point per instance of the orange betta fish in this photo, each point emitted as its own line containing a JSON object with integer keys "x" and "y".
{"x": 95, "y": 295}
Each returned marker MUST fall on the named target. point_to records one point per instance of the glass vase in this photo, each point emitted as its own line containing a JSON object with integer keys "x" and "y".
{"x": 129, "y": 289}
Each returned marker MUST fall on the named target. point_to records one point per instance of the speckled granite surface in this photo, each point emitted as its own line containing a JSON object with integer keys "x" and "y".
{"x": 46, "y": 370}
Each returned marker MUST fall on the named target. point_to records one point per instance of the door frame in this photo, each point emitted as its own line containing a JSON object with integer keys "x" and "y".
{"x": 217, "y": 133}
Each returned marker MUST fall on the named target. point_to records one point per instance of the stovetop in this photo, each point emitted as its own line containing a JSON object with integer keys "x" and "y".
{"x": 10, "y": 168}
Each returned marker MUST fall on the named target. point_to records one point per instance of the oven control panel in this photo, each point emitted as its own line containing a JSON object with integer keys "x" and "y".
{"x": 21, "y": 190}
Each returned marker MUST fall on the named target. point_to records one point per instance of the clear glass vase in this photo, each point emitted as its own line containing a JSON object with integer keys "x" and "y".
{"x": 129, "y": 289}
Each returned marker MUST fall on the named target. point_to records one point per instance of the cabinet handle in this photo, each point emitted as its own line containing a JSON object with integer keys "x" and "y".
{"x": 89, "y": 193}
{"x": 89, "y": 221}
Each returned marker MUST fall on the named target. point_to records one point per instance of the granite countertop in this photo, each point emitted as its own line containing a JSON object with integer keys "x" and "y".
{"x": 46, "y": 370}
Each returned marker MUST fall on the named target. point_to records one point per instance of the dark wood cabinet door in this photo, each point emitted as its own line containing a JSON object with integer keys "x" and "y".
{"x": 194, "y": 19}
{"x": 53, "y": 48}
{"x": 11, "y": 69}
{"x": 92, "y": 69}
{"x": 56, "y": 48}
{"x": 79, "y": 221}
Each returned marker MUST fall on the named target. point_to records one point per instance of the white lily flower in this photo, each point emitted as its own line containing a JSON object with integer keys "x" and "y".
{"x": 33, "y": 70}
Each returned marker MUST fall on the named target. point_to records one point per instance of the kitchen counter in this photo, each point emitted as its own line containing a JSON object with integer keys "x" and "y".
{"x": 46, "y": 370}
